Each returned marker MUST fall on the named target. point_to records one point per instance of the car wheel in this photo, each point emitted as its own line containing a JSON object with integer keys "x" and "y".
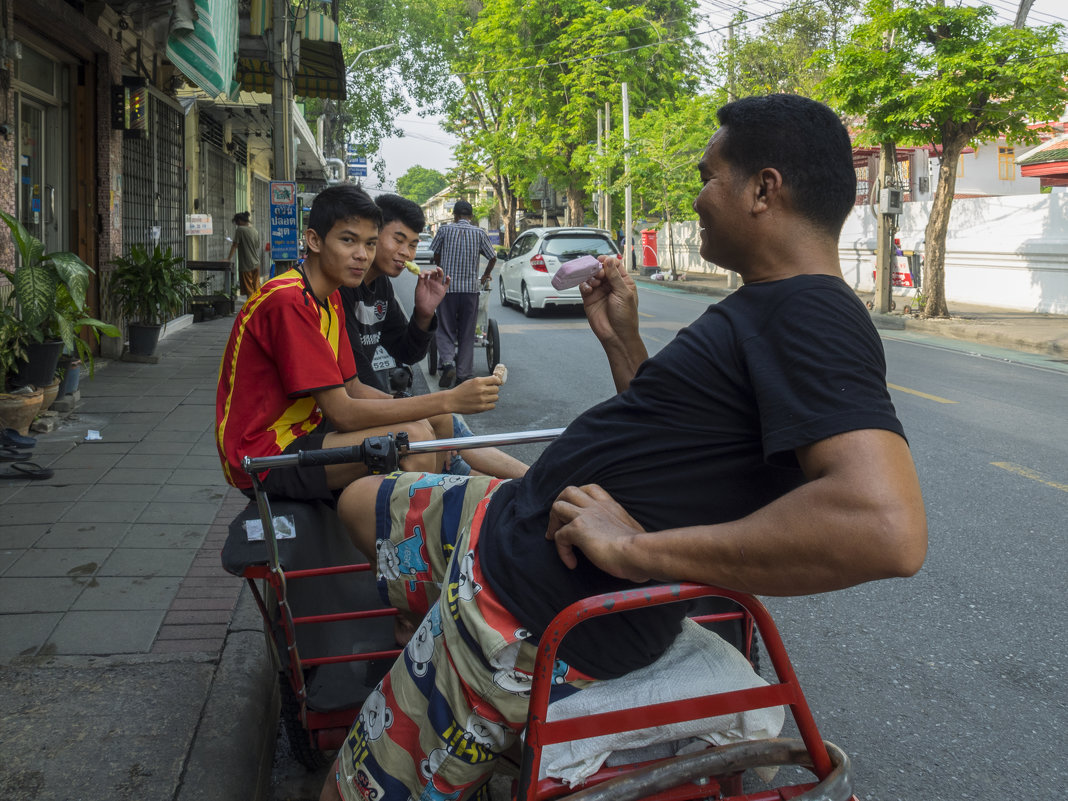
{"x": 528, "y": 310}
{"x": 500, "y": 290}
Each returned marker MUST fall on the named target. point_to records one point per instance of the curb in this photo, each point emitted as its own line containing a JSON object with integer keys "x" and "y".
{"x": 958, "y": 328}
{"x": 233, "y": 750}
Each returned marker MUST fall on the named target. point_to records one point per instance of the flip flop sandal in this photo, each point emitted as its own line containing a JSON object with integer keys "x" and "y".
{"x": 26, "y": 470}
{"x": 10, "y": 438}
{"x": 11, "y": 455}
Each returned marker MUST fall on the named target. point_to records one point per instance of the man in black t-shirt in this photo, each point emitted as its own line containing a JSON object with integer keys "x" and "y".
{"x": 758, "y": 451}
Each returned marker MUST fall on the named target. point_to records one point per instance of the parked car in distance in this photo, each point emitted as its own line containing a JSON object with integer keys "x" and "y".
{"x": 527, "y": 270}
{"x": 423, "y": 253}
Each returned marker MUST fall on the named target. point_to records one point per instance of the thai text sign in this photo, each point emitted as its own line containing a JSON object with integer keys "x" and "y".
{"x": 284, "y": 233}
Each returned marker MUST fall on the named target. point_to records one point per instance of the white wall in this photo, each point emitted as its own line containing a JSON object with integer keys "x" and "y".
{"x": 980, "y": 176}
{"x": 1009, "y": 252}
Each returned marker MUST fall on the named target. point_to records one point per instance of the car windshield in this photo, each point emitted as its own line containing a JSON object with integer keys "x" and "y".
{"x": 569, "y": 246}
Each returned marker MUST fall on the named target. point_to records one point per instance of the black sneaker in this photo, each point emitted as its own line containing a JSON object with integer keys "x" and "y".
{"x": 448, "y": 376}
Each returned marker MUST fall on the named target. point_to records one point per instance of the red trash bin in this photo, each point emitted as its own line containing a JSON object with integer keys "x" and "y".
{"x": 649, "y": 258}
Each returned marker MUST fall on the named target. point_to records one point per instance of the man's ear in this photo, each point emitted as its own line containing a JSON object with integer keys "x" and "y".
{"x": 767, "y": 190}
{"x": 312, "y": 240}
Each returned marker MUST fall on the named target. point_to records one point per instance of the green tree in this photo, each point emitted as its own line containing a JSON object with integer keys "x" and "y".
{"x": 420, "y": 183}
{"x": 666, "y": 144}
{"x": 952, "y": 77}
{"x": 776, "y": 58}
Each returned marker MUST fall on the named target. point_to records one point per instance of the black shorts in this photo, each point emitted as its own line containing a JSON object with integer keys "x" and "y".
{"x": 299, "y": 483}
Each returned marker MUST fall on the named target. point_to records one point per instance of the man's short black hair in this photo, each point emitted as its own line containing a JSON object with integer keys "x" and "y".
{"x": 341, "y": 202}
{"x": 802, "y": 139}
{"x": 395, "y": 208}
{"x": 461, "y": 208}
{"x": 242, "y": 217}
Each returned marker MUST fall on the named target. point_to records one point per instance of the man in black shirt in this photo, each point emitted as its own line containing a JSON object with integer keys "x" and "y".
{"x": 758, "y": 451}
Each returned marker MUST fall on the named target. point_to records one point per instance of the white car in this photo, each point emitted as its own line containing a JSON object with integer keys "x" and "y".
{"x": 422, "y": 250}
{"x": 526, "y": 273}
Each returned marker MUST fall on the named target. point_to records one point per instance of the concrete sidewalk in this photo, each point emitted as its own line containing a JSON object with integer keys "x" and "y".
{"x": 132, "y": 666}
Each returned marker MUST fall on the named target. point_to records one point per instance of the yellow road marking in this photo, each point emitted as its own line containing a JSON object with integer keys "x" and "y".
{"x": 919, "y": 394}
{"x": 1027, "y": 472}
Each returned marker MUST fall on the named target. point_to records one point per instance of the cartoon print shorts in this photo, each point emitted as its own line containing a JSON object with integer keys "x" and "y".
{"x": 457, "y": 696}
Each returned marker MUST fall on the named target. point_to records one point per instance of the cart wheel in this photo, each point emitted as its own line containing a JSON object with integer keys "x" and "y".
{"x": 870, "y": 305}
{"x": 432, "y": 357}
{"x": 493, "y": 345}
{"x": 892, "y": 305}
{"x": 299, "y": 738}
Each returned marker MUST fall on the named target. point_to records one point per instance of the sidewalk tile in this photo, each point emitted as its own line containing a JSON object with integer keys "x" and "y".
{"x": 140, "y": 461}
{"x": 123, "y": 475}
{"x": 160, "y": 405}
{"x": 17, "y": 537}
{"x": 148, "y": 562}
{"x": 121, "y": 632}
{"x": 202, "y": 631}
{"x": 83, "y": 535}
{"x": 162, "y": 448}
{"x": 123, "y": 592}
{"x": 100, "y": 511}
{"x": 179, "y": 512}
{"x": 31, "y": 513}
{"x": 165, "y": 535}
{"x": 84, "y": 458}
{"x": 157, "y": 435}
{"x": 23, "y": 635}
{"x": 124, "y": 492}
{"x": 7, "y": 559}
{"x": 198, "y": 477}
{"x": 180, "y": 493}
{"x": 196, "y": 617}
{"x": 189, "y": 418}
{"x": 188, "y": 646}
{"x": 21, "y": 595}
{"x": 59, "y": 562}
{"x": 36, "y": 493}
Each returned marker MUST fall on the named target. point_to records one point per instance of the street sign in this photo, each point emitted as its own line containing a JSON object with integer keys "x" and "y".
{"x": 357, "y": 171}
{"x": 284, "y": 233}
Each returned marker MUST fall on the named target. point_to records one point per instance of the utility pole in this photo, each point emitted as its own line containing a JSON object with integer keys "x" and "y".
{"x": 282, "y": 92}
{"x": 608, "y": 170}
{"x": 628, "y": 232}
{"x": 600, "y": 185}
{"x": 1022, "y": 12}
{"x": 885, "y": 236}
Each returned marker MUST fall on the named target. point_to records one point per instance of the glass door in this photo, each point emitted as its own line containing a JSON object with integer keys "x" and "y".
{"x": 31, "y": 191}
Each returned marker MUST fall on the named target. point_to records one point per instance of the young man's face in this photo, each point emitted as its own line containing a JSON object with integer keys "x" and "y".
{"x": 396, "y": 245}
{"x": 345, "y": 255}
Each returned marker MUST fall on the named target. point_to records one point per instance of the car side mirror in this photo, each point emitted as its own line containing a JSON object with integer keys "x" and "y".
{"x": 502, "y": 253}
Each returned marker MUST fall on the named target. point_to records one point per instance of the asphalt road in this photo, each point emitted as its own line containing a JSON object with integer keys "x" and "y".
{"x": 948, "y": 685}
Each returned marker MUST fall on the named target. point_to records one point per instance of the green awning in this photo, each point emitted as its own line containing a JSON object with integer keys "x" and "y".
{"x": 205, "y": 51}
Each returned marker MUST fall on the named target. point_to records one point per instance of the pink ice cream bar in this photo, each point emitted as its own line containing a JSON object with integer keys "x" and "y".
{"x": 574, "y": 272}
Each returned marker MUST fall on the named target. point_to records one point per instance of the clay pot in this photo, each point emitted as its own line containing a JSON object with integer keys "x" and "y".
{"x": 51, "y": 392}
{"x": 18, "y": 411}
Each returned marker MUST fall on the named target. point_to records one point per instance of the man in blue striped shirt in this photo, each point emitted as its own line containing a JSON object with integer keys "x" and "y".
{"x": 457, "y": 248}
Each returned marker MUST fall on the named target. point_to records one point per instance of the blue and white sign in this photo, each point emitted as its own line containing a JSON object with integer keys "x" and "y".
{"x": 284, "y": 232}
{"x": 357, "y": 166}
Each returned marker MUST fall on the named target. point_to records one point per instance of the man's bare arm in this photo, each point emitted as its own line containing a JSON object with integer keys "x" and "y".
{"x": 356, "y": 406}
{"x": 610, "y": 299}
{"x": 858, "y": 518}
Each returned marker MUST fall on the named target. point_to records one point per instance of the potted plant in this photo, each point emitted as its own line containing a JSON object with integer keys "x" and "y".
{"x": 48, "y": 298}
{"x": 149, "y": 287}
{"x": 17, "y": 409}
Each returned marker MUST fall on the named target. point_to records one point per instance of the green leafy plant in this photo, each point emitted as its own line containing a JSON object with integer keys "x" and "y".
{"x": 49, "y": 292}
{"x": 13, "y": 339}
{"x": 150, "y": 287}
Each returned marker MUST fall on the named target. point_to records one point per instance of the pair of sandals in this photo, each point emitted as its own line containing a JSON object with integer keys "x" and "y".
{"x": 16, "y": 450}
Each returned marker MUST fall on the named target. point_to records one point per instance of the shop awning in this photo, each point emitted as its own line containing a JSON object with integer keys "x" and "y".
{"x": 321, "y": 65}
{"x": 203, "y": 44}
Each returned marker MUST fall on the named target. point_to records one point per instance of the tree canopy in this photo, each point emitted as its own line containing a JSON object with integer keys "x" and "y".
{"x": 948, "y": 75}
{"x": 420, "y": 183}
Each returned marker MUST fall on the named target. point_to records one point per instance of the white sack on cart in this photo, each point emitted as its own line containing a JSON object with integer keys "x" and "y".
{"x": 698, "y": 663}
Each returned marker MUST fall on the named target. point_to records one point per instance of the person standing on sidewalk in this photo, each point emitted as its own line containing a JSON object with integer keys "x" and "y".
{"x": 457, "y": 248}
{"x": 248, "y": 246}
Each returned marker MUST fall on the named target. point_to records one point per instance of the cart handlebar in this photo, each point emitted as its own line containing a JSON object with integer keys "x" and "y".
{"x": 382, "y": 453}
